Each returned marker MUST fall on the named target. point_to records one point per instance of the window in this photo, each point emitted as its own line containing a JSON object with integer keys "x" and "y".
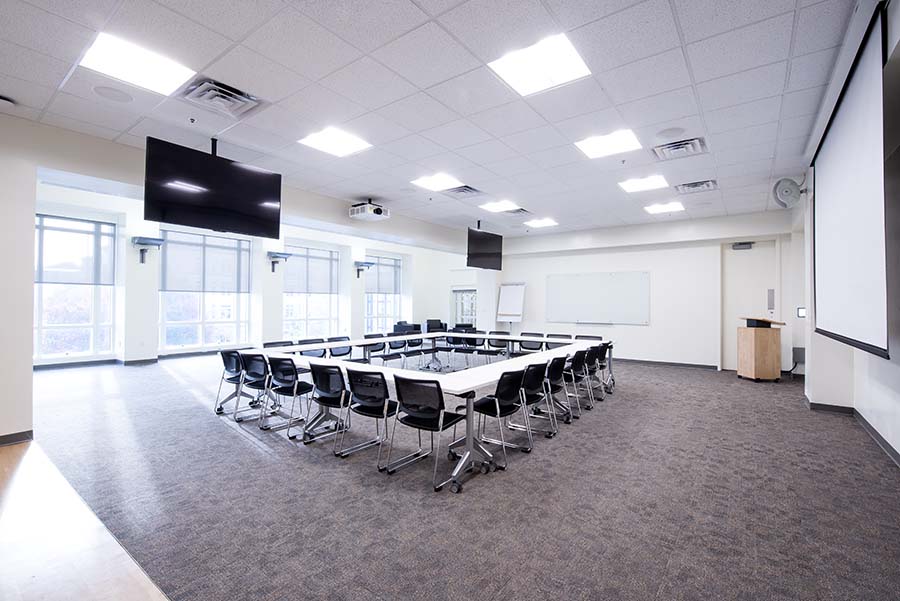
{"x": 382, "y": 294}
{"x": 310, "y": 293}
{"x": 464, "y": 306}
{"x": 74, "y": 278}
{"x": 204, "y": 291}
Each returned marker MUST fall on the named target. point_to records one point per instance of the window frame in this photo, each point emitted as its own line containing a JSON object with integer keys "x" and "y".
{"x": 389, "y": 303}
{"x": 301, "y": 252}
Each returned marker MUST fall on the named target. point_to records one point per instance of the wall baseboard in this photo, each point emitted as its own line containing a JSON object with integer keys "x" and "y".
{"x": 16, "y": 438}
{"x": 829, "y": 408}
{"x": 138, "y": 362}
{"x": 664, "y": 363}
{"x": 870, "y": 430}
{"x": 74, "y": 364}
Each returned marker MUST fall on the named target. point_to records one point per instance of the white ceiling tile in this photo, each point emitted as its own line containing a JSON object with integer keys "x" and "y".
{"x": 511, "y": 167}
{"x": 307, "y": 179}
{"x": 296, "y": 41}
{"x": 368, "y": 83}
{"x": 745, "y": 154}
{"x": 80, "y": 126}
{"x": 413, "y": 147}
{"x": 233, "y": 152}
{"x": 647, "y": 77}
{"x": 22, "y": 63}
{"x": 591, "y": 124}
{"x": 533, "y": 140}
{"x": 812, "y": 70}
{"x": 473, "y": 92}
{"x": 255, "y": 74}
{"x": 133, "y": 141}
{"x": 321, "y": 106}
{"x": 491, "y": 28}
{"x": 306, "y": 156}
{"x": 373, "y": 159}
{"x": 20, "y": 110}
{"x": 280, "y": 165}
{"x": 634, "y": 33}
{"x": 739, "y": 116}
{"x": 367, "y": 25}
{"x": 663, "y": 107}
{"x": 84, "y": 81}
{"x": 748, "y": 136}
{"x": 795, "y": 127}
{"x": 159, "y": 29}
{"x": 703, "y": 18}
{"x": 448, "y": 161}
{"x": 25, "y": 93}
{"x": 822, "y": 25}
{"x": 180, "y": 113}
{"x": 508, "y": 118}
{"x": 804, "y": 102}
{"x": 417, "y": 112}
{"x": 575, "y": 13}
{"x": 570, "y": 100}
{"x": 29, "y": 26}
{"x": 75, "y": 107}
{"x": 757, "y": 180}
{"x": 739, "y": 88}
{"x": 90, "y": 13}
{"x": 790, "y": 148}
{"x": 689, "y": 169}
{"x": 375, "y": 129}
{"x": 427, "y": 56}
{"x": 751, "y": 46}
{"x": 487, "y": 152}
{"x": 256, "y": 138}
{"x": 554, "y": 157}
{"x": 671, "y": 131}
{"x": 232, "y": 19}
{"x": 278, "y": 120}
{"x": 436, "y": 7}
{"x": 456, "y": 134}
{"x": 790, "y": 166}
{"x": 167, "y": 132}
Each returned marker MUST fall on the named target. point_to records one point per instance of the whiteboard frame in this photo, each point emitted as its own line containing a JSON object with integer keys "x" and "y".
{"x": 500, "y": 316}
{"x": 646, "y": 323}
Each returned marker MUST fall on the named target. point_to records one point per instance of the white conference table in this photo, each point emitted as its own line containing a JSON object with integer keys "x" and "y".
{"x": 461, "y": 383}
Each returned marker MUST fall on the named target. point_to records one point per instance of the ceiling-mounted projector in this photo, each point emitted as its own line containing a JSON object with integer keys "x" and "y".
{"x": 369, "y": 211}
{"x": 786, "y": 193}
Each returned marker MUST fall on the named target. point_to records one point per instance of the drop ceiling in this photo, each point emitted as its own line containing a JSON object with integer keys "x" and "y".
{"x": 411, "y": 78}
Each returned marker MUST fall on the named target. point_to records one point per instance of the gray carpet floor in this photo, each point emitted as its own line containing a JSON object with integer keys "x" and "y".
{"x": 684, "y": 484}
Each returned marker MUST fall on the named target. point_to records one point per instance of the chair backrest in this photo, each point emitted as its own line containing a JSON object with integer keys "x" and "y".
{"x": 256, "y": 367}
{"x": 475, "y": 342}
{"x": 375, "y": 347}
{"x": 315, "y": 352}
{"x": 527, "y": 345}
{"x": 533, "y": 381}
{"x": 578, "y": 361}
{"x": 604, "y": 351}
{"x": 555, "y": 369}
{"x": 508, "y": 387}
{"x": 397, "y": 344}
{"x": 551, "y": 345}
{"x": 456, "y": 340}
{"x": 419, "y": 398}
{"x": 340, "y": 351}
{"x": 494, "y": 343}
{"x": 231, "y": 360}
{"x": 284, "y": 371}
{"x": 588, "y": 337}
{"x": 592, "y": 355}
{"x": 431, "y": 324}
{"x": 328, "y": 379}
{"x": 463, "y": 325}
{"x": 367, "y": 387}
{"x": 276, "y": 343}
{"x": 415, "y": 342}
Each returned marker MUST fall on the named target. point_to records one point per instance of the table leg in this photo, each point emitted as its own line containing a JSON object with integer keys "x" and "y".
{"x": 475, "y": 454}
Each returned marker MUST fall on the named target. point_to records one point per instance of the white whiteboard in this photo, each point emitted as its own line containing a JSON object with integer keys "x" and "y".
{"x": 511, "y": 302}
{"x": 612, "y": 297}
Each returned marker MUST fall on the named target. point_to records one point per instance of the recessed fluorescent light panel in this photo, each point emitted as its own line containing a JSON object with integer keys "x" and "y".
{"x": 545, "y": 222}
{"x": 617, "y": 142}
{"x": 335, "y": 141}
{"x": 186, "y": 187}
{"x": 551, "y": 62}
{"x": 132, "y": 64}
{"x": 500, "y": 206}
{"x": 437, "y": 182}
{"x": 668, "y": 207}
{"x": 642, "y": 184}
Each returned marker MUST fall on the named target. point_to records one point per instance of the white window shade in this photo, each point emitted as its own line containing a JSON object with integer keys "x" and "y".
{"x": 311, "y": 271}
{"x": 384, "y": 276}
{"x": 199, "y": 263}
{"x": 74, "y": 251}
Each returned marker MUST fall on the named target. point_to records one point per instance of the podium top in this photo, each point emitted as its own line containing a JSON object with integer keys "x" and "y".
{"x": 762, "y": 322}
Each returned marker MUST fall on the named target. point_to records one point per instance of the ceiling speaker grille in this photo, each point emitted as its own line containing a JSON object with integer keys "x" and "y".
{"x": 680, "y": 149}
{"x": 220, "y": 98}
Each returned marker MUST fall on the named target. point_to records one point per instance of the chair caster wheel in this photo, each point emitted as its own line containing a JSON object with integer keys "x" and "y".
{"x": 219, "y": 411}
{"x": 568, "y": 420}
{"x": 381, "y": 469}
{"x": 485, "y": 468}
{"x": 548, "y": 435}
{"x": 588, "y": 408}
{"x": 456, "y": 488}
{"x": 307, "y": 440}
{"x": 265, "y": 427}
{"x": 525, "y": 450}
{"x": 438, "y": 488}
{"x": 390, "y": 472}
{"x": 292, "y": 436}
{"x": 577, "y": 416}
{"x": 451, "y": 456}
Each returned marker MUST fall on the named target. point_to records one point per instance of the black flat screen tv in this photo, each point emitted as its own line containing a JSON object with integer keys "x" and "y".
{"x": 485, "y": 250}
{"x": 187, "y": 187}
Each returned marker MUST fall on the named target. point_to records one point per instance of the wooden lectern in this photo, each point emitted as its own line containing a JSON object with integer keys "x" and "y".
{"x": 759, "y": 349}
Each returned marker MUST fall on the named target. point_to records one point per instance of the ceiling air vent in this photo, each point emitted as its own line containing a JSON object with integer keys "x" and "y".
{"x": 706, "y": 185}
{"x": 680, "y": 149}
{"x": 463, "y": 192}
{"x": 220, "y": 98}
{"x": 519, "y": 211}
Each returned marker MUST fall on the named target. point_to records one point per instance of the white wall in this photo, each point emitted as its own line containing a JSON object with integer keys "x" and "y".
{"x": 746, "y": 277}
{"x": 685, "y": 298}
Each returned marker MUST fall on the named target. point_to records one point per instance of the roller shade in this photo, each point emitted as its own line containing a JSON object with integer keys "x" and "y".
{"x": 384, "y": 276}
{"x": 200, "y": 263}
{"x": 311, "y": 271}
{"x": 74, "y": 251}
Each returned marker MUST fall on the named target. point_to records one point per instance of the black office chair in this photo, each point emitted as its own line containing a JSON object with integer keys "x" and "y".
{"x": 396, "y": 348}
{"x": 496, "y": 347}
{"x": 604, "y": 365}
{"x": 555, "y": 384}
{"x": 453, "y": 343}
{"x": 319, "y": 353}
{"x": 528, "y": 346}
{"x": 413, "y": 349}
{"x": 534, "y": 391}
{"x": 256, "y": 378}
{"x": 506, "y": 400}
{"x": 421, "y": 407}
{"x": 435, "y": 325}
{"x": 372, "y": 350}
{"x": 329, "y": 392}
{"x": 369, "y": 398}
{"x": 574, "y": 374}
{"x": 553, "y": 345}
{"x": 588, "y": 337}
{"x": 277, "y": 343}
{"x": 285, "y": 381}
{"x": 473, "y": 346}
{"x": 464, "y": 325}
{"x": 343, "y": 352}
{"x": 592, "y": 371}
{"x": 232, "y": 373}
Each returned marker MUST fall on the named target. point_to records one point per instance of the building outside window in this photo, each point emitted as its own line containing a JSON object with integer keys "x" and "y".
{"x": 311, "y": 297}
{"x": 465, "y": 306}
{"x": 382, "y": 294}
